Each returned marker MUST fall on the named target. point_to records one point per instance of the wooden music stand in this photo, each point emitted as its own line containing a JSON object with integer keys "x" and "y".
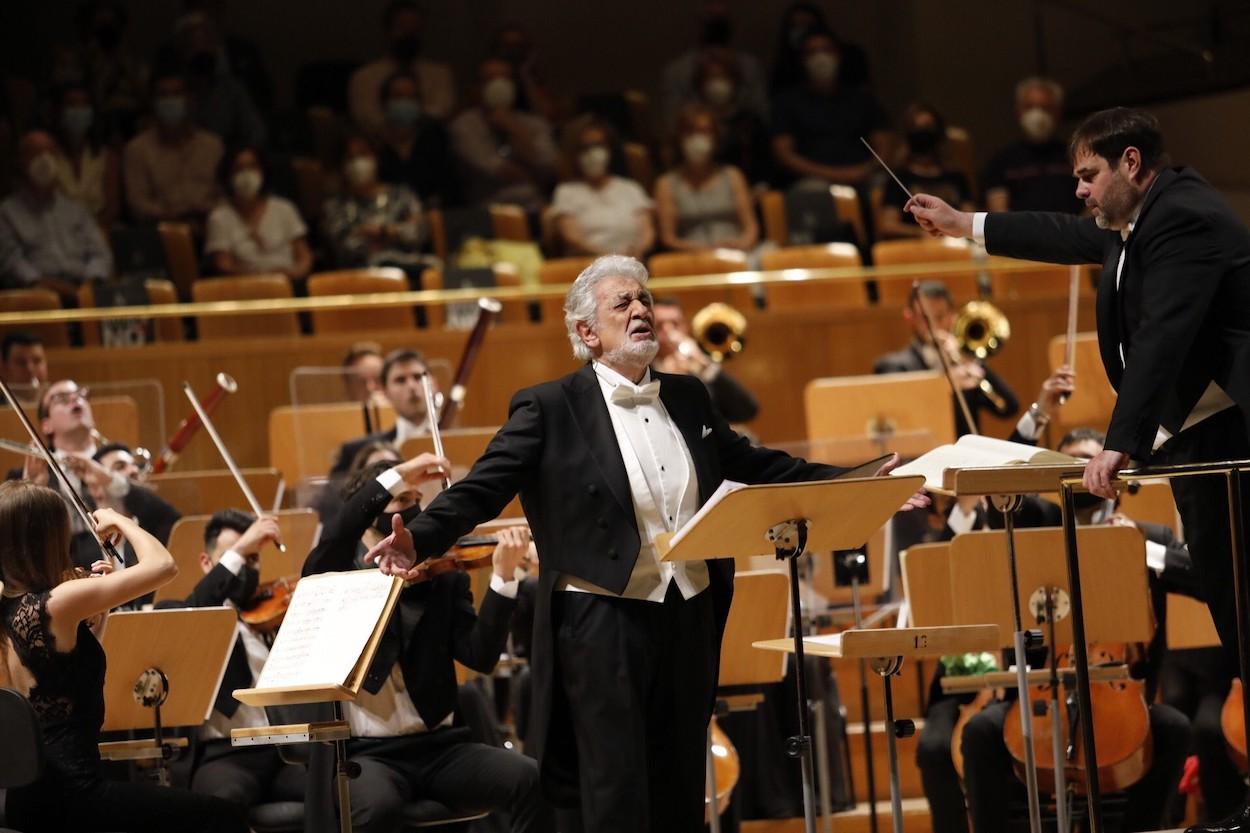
{"x": 1189, "y": 624}
{"x": 153, "y": 681}
{"x": 304, "y": 438}
{"x": 915, "y": 407}
{"x": 206, "y": 492}
{"x": 788, "y": 519}
{"x": 1094, "y": 401}
{"x": 462, "y": 446}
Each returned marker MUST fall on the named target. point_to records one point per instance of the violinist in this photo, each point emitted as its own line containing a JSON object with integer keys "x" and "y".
{"x": 405, "y": 735}
{"x": 402, "y": 372}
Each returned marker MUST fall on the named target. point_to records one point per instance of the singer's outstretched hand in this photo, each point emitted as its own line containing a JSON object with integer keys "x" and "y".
{"x": 938, "y": 218}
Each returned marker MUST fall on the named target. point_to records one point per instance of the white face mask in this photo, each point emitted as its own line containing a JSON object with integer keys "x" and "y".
{"x": 594, "y": 161}
{"x": 822, "y": 67}
{"x": 246, "y": 183}
{"x": 42, "y": 170}
{"x": 718, "y": 91}
{"x": 498, "y": 93}
{"x": 697, "y": 147}
{"x": 1037, "y": 124}
{"x": 361, "y": 170}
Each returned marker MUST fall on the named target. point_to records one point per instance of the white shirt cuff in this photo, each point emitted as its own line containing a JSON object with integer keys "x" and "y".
{"x": 232, "y": 561}
{"x": 391, "y": 480}
{"x": 1028, "y": 427}
{"x": 960, "y": 521}
{"x": 978, "y": 226}
{"x": 507, "y": 589}
{"x": 1156, "y": 556}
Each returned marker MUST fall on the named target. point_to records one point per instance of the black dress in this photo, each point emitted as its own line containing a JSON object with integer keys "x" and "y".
{"x": 68, "y": 697}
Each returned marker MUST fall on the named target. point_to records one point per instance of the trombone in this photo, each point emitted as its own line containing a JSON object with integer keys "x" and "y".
{"x": 981, "y": 330}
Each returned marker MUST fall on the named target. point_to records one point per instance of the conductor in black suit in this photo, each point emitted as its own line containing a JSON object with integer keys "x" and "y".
{"x": 626, "y": 647}
{"x": 1173, "y": 307}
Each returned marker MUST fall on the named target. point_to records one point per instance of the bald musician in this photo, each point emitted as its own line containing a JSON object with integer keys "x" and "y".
{"x": 626, "y": 647}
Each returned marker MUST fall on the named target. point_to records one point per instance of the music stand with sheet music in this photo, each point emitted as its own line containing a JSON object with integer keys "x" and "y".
{"x": 153, "y": 681}
{"x": 790, "y": 518}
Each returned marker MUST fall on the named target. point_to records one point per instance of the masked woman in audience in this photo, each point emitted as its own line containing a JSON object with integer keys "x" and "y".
{"x": 51, "y": 617}
{"x": 923, "y": 171}
{"x": 87, "y": 170}
{"x": 253, "y": 232}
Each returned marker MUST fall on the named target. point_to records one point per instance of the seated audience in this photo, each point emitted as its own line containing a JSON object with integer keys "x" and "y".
{"x": 745, "y": 141}
{"x": 253, "y": 231}
{"x": 506, "y": 156}
{"x": 402, "y": 21}
{"x": 1034, "y": 172}
{"x": 702, "y": 204}
{"x": 52, "y": 619}
{"x": 46, "y": 238}
{"x": 219, "y": 103}
{"x": 680, "y": 81}
{"x": 968, "y": 372}
{"x": 797, "y": 22}
{"x": 817, "y": 124}
{"x": 414, "y": 149}
{"x": 170, "y": 168}
{"x": 922, "y": 172}
{"x": 511, "y": 42}
{"x": 402, "y": 372}
{"x": 597, "y": 212}
{"x": 114, "y": 73}
{"x": 87, "y": 170}
{"x": 23, "y": 361}
{"x": 680, "y": 353}
{"x": 371, "y": 223}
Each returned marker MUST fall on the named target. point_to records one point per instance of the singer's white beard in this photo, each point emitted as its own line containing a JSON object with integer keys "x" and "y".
{"x": 633, "y": 353}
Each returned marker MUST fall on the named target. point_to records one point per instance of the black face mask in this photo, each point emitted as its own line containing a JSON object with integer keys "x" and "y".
{"x": 405, "y": 48}
{"x": 249, "y": 580}
{"x": 383, "y": 522}
{"x": 922, "y": 141}
{"x": 716, "y": 31}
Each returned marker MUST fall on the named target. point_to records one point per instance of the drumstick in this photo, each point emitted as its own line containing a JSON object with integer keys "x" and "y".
{"x": 887, "y": 168}
{"x": 431, "y": 414}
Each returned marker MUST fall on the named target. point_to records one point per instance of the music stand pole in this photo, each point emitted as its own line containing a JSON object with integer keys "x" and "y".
{"x": 790, "y": 538}
{"x": 858, "y": 611}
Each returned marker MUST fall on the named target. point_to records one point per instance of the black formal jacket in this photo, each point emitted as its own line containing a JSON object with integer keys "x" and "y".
{"x": 910, "y": 359}
{"x": 347, "y": 451}
{"x": 1182, "y": 311}
{"x": 559, "y": 451}
{"x": 434, "y": 622}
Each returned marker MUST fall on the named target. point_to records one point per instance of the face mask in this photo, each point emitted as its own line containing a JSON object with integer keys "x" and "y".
{"x": 383, "y": 522}
{"x": 594, "y": 161}
{"x": 171, "y": 110}
{"x": 718, "y": 91}
{"x": 923, "y": 141}
{"x": 403, "y": 112}
{"x": 246, "y": 183}
{"x": 697, "y": 147}
{"x": 822, "y": 67}
{"x": 76, "y": 121}
{"x": 1037, "y": 124}
{"x": 405, "y": 48}
{"x": 361, "y": 170}
{"x": 498, "y": 93}
{"x": 42, "y": 170}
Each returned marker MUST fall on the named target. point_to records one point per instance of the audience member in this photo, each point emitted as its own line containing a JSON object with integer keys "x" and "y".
{"x": 402, "y": 21}
{"x": 922, "y": 172}
{"x": 680, "y": 353}
{"x": 219, "y": 103}
{"x": 362, "y": 372}
{"x": 679, "y": 84}
{"x": 170, "y": 168}
{"x": 703, "y": 204}
{"x": 46, "y": 238}
{"x": 371, "y": 223}
{"x": 507, "y": 156}
{"x": 402, "y": 372}
{"x": 414, "y": 149}
{"x": 22, "y": 360}
{"x": 596, "y": 212}
{"x": 511, "y": 42}
{"x": 236, "y": 56}
{"x": 817, "y": 124}
{"x": 253, "y": 231}
{"x": 87, "y": 170}
{"x": 745, "y": 142}
{"x": 116, "y": 77}
{"x": 1034, "y": 172}
{"x": 797, "y": 22}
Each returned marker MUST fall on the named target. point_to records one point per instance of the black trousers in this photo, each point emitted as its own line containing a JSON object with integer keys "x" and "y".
{"x": 992, "y": 786}
{"x": 120, "y": 805}
{"x": 638, "y": 678}
{"x": 461, "y": 775}
{"x": 1203, "y": 505}
{"x": 937, "y": 770}
{"x": 247, "y": 776}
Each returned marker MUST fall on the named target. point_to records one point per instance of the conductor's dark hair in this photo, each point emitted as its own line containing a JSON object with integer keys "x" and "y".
{"x": 235, "y": 519}
{"x": 1080, "y": 435}
{"x": 1108, "y": 133}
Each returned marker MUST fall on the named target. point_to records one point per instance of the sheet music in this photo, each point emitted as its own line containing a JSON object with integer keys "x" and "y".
{"x": 972, "y": 451}
{"x": 325, "y": 631}
{"x": 727, "y": 487}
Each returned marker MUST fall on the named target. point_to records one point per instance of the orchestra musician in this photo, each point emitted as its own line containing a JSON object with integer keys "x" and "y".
{"x": 403, "y": 734}
{"x": 51, "y": 654}
{"x": 402, "y": 371}
{"x": 680, "y": 353}
{"x": 23, "y": 362}
{"x": 1172, "y": 305}
{"x": 626, "y": 647}
{"x": 362, "y": 371}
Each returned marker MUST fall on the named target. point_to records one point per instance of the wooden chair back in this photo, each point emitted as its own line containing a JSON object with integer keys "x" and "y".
{"x": 709, "y": 262}
{"x": 773, "y": 213}
{"x": 181, "y": 259}
{"x": 252, "y": 325}
{"x": 563, "y": 270}
{"x": 437, "y": 225}
{"x": 160, "y": 291}
{"x": 895, "y": 291}
{"x": 509, "y": 223}
{"x": 355, "y": 281}
{"x": 116, "y": 417}
{"x": 506, "y": 275}
{"x": 206, "y": 492}
{"x": 304, "y": 439}
{"x": 30, "y": 300}
{"x": 846, "y": 205}
{"x": 927, "y": 584}
{"x": 848, "y": 294}
{"x": 1042, "y": 282}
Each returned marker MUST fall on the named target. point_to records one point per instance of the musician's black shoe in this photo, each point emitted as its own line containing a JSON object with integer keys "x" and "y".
{"x": 1238, "y": 822}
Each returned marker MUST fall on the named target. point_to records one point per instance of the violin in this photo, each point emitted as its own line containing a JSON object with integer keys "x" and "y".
{"x": 269, "y": 604}
{"x": 1233, "y": 722}
{"x": 1121, "y": 729}
{"x": 727, "y": 767}
{"x": 469, "y": 553}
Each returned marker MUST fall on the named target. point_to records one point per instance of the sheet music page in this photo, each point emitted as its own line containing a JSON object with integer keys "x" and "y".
{"x": 972, "y": 451}
{"x": 726, "y": 487}
{"x": 331, "y": 618}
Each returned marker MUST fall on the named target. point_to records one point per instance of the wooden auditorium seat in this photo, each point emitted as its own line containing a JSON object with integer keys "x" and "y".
{"x": 509, "y": 223}
{"x": 846, "y": 205}
{"x": 244, "y": 288}
{"x": 160, "y": 291}
{"x": 303, "y": 439}
{"x": 708, "y": 262}
{"x": 1042, "y": 282}
{"x": 506, "y": 275}
{"x": 116, "y": 417}
{"x": 29, "y": 300}
{"x": 562, "y": 270}
{"x": 773, "y": 215}
{"x": 437, "y": 225}
{"x": 357, "y": 281}
{"x": 848, "y": 294}
{"x": 895, "y": 291}
{"x": 205, "y": 492}
{"x": 846, "y": 209}
{"x": 181, "y": 258}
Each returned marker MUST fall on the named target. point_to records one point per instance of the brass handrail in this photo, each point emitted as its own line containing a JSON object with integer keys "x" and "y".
{"x": 509, "y": 293}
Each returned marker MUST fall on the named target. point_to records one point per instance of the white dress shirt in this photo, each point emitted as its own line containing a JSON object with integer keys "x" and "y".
{"x": 662, "y": 484}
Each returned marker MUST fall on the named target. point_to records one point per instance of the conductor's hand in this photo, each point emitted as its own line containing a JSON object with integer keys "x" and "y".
{"x": 1100, "y": 471}
{"x": 938, "y": 218}
{"x": 424, "y": 468}
{"x": 263, "y": 530}
{"x": 511, "y": 552}
{"x": 395, "y": 554}
{"x": 917, "y": 501}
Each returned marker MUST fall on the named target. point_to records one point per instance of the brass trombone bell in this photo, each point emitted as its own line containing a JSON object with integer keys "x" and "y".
{"x": 720, "y": 330}
{"x": 981, "y": 329}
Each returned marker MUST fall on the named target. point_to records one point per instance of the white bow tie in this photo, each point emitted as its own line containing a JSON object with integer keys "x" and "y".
{"x": 628, "y": 396}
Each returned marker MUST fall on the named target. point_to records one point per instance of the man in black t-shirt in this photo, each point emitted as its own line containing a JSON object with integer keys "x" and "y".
{"x": 1034, "y": 172}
